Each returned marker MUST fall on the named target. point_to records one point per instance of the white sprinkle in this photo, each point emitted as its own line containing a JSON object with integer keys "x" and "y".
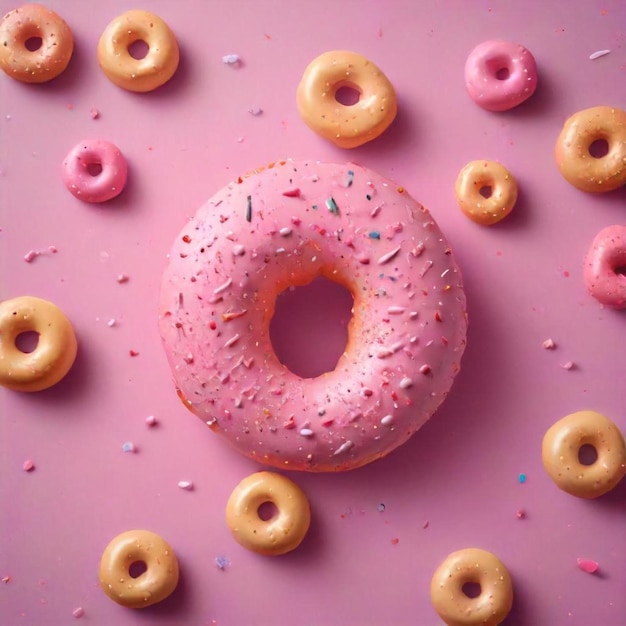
{"x": 31, "y": 255}
{"x": 122, "y": 278}
{"x": 231, "y": 59}
{"x": 238, "y": 250}
{"x": 398, "y": 345}
{"x": 395, "y": 310}
{"x": 111, "y": 322}
{"x": 405, "y": 383}
{"x": 210, "y": 423}
{"x": 280, "y": 250}
{"x": 151, "y": 420}
{"x": 413, "y": 315}
{"x": 224, "y": 286}
{"x": 128, "y": 446}
{"x": 445, "y": 272}
{"x": 387, "y": 257}
{"x": 306, "y": 432}
{"x": 78, "y": 612}
{"x": 425, "y": 369}
{"x": 419, "y": 248}
{"x": 569, "y": 365}
{"x": 255, "y": 111}
{"x": 344, "y": 447}
{"x": 232, "y": 341}
{"x": 387, "y": 420}
{"x": 187, "y": 485}
{"x": 598, "y": 54}
{"x": 383, "y": 353}
{"x": 549, "y": 344}
{"x": 425, "y": 269}
{"x": 376, "y": 210}
{"x": 285, "y": 232}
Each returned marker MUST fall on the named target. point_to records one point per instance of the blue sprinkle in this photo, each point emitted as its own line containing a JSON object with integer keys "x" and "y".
{"x": 381, "y": 507}
{"x": 332, "y": 206}
{"x": 522, "y": 478}
{"x": 393, "y": 278}
{"x": 349, "y": 179}
{"x": 374, "y": 235}
{"x": 222, "y": 562}
{"x": 315, "y": 207}
{"x": 128, "y": 446}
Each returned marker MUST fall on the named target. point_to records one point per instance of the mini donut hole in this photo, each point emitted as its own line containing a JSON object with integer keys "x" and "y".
{"x": 620, "y": 270}
{"x": 587, "y": 454}
{"x": 486, "y": 191}
{"x": 27, "y": 341}
{"x": 347, "y": 94}
{"x": 94, "y": 168}
{"x": 138, "y": 49}
{"x": 599, "y": 148}
{"x": 137, "y": 568}
{"x": 471, "y": 589}
{"x": 32, "y": 44}
{"x": 503, "y": 73}
{"x": 499, "y": 68}
{"x": 267, "y": 511}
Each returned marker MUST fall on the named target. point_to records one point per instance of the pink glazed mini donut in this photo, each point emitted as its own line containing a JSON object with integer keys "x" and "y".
{"x": 499, "y": 75}
{"x": 95, "y": 171}
{"x": 605, "y": 267}
{"x": 283, "y": 227}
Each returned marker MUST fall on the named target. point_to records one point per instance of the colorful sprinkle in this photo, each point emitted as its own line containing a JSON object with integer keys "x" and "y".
{"x": 31, "y": 255}
{"x": 395, "y": 541}
{"x": 255, "y": 111}
{"x": 331, "y": 205}
{"x": 387, "y": 420}
{"x": 238, "y": 250}
{"x": 133, "y": 353}
{"x": 569, "y": 365}
{"x": 549, "y": 344}
{"x": 151, "y": 420}
{"x": 232, "y": 341}
{"x": 285, "y": 232}
{"x": 6, "y": 579}
{"x": 522, "y": 478}
{"x": 78, "y": 612}
{"x": 122, "y": 278}
{"x": 590, "y": 567}
{"x": 306, "y": 432}
{"x": 128, "y": 446}
{"x": 187, "y": 485}
{"x": 111, "y": 322}
{"x": 223, "y": 286}
{"x": 425, "y": 369}
{"x": 222, "y": 562}
{"x": 231, "y": 59}
{"x": 344, "y": 447}
{"x": 387, "y": 257}
{"x": 232, "y": 315}
{"x": 28, "y": 466}
{"x": 374, "y": 234}
{"x": 381, "y": 507}
{"x": 293, "y": 193}
{"x": 598, "y": 54}
{"x": 249, "y": 209}
{"x": 405, "y": 383}
{"x": 395, "y": 310}
{"x": 520, "y": 514}
{"x": 349, "y": 178}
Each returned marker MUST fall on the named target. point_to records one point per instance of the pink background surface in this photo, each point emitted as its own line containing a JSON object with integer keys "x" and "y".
{"x": 460, "y": 472}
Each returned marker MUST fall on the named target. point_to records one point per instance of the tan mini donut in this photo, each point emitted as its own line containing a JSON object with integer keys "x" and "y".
{"x": 477, "y": 175}
{"x": 476, "y": 566}
{"x": 140, "y": 75}
{"x": 560, "y": 449}
{"x": 158, "y": 580}
{"x": 278, "y": 535}
{"x": 572, "y": 151}
{"x": 34, "y": 21}
{"x": 346, "y": 126}
{"x": 56, "y": 349}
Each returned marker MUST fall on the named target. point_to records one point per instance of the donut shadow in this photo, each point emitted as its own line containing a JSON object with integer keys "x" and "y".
{"x": 520, "y": 216}
{"x": 127, "y": 199}
{"x": 614, "y": 499}
{"x": 518, "y": 616}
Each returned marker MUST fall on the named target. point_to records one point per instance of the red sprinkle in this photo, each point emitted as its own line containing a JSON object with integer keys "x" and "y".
{"x": 395, "y": 541}
{"x": 133, "y": 353}
{"x": 212, "y": 325}
{"x": 28, "y": 466}
{"x": 292, "y": 193}
{"x": 591, "y": 567}
{"x": 520, "y": 514}
{"x": 186, "y": 238}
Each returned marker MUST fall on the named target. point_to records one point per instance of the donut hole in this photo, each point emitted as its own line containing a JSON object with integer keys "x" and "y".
{"x": 599, "y": 148}
{"x": 267, "y": 511}
{"x": 27, "y": 341}
{"x": 309, "y": 329}
{"x": 621, "y": 270}
{"x": 503, "y": 73}
{"x": 471, "y": 589}
{"x": 94, "y": 169}
{"x": 587, "y": 454}
{"x": 486, "y": 191}
{"x": 137, "y": 568}
{"x": 347, "y": 94}
{"x": 138, "y": 49}
{"x": 32, "y": 44}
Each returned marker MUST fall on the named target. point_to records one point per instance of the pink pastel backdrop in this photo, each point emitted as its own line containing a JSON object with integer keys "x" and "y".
{"x": 455, "y": 484}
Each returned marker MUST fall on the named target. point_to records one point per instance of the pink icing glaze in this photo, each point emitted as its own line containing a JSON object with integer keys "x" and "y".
{"x": 605, "y": 266}
{"x": 500, "y": 75}
{"x": 99, "y": 187}
{"x": 282, "y": 227}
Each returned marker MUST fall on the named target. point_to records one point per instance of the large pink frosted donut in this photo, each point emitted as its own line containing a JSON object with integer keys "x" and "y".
{"x": 104, "y": 182}
{"x": 605, "y": 267}
{"x": 499, "y": 75}
{"x": 284, "y": 226}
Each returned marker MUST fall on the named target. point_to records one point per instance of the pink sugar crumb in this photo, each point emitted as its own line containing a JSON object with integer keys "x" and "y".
{"x": 122, "y": 278}
{"x": 30, "y": 256}
{"x": 549, "y": 344}
{"x": 6, "y": 579}
{"x": 151, "y": 420}
{"x": 569, "y": 365}
{"x": 78, "y": 612}
{"x": 133, "y": 353}
{"x": 28, "y": 466}
{"x": 94, "y": 114}
{"x": 586, "y": 565}
{"x": 520, "y": 514}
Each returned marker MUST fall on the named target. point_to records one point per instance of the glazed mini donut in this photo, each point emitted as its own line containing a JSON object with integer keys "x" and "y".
{"x": 34, "y": 22}
{"x": 278, "y": 535}
{"x": 478, "y": 567}
{"x": 104, "y": 182}
{"x": 500, "y": 75}
{"x": 56, "y": 348}
{"x": 160, "y": 569}
{"x": 283, "y": 227}
{"x": 605, "y": 267}
{"x": 560, "y": 454}
{"x": 159, "y": 64}
{"x": 346, "y": 126}
{"x": 573, "y": 149}
{"x": 501, "y": 194}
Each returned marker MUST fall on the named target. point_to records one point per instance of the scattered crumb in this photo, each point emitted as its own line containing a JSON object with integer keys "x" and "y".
{"x": 111, "y": 322}
{"x": 30, "y": 256}
{"x": 395, "y": 541}
{"x": 568, "y": 365}
{"x": 8, "y": 117}
{"x": 381, "y": 507}
{"x": 28, "y": 466}
{"x": 94, "y": 114}
{"x": 231, "y": 59}
{"x": 255, "y": 111}
{"x": 151, "y": 420}
{"x": 70, "y": 106}
{"x": 133, "y": 353}
{"x": 520, "y": 514}
{"x": 522, "y": 478}
{"x": 598, "y": 54}
{"x": 129, "y": 446}
{"x": 240, "y": 139}
{"x": 53, "y": 249}
{"x": 187, "y": 485}
{"x": 222, "y": 562}
{"x": 6, "y": 579}
{"x": 122, "y": 278}
{"x": 379, "y": 34}
{"x": 549, "y": 344}
{"x": 591, "y": 567}
{"x": 426, "y": 524}
{"x": 78, "y": 612}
